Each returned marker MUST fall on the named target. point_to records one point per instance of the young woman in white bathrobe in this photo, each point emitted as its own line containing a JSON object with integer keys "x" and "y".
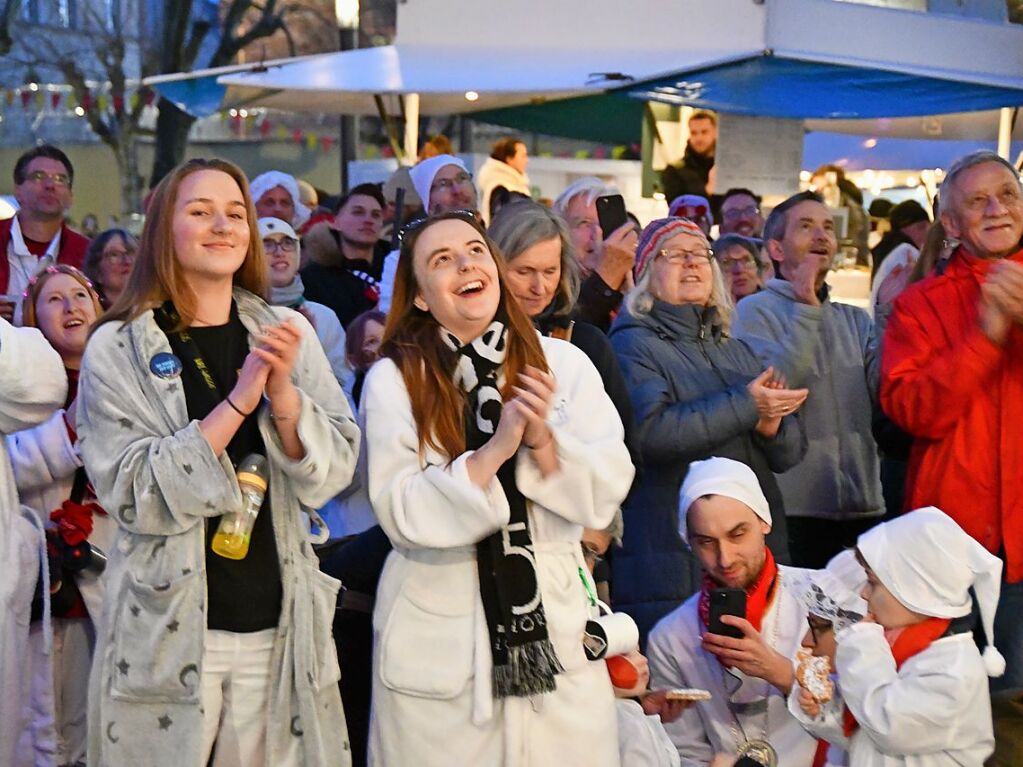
{"x": 489, "y": 449}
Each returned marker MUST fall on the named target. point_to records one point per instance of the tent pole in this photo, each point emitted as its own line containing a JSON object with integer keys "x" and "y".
{"x": 411, "y": 126}
{"x": 392, "y": 134}
{"x": 1005, "y": 132}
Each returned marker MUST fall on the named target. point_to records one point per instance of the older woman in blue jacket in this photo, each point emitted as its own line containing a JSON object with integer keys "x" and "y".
{"x": 696, "y": 393}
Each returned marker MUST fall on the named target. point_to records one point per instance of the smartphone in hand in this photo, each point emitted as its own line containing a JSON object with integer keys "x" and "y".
{"x": 726, "y": 602}
{"x": 611, "y": 213}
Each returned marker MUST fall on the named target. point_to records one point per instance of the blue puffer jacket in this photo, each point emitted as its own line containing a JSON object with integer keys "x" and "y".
{"x": 688, "y": 384}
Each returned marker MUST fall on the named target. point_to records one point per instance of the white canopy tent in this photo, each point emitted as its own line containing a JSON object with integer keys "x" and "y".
{"x": 784, "y": 58}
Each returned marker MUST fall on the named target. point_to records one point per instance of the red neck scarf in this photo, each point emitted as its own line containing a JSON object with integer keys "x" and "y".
{"x": 758, "y": 596}
{"x": 910, "y": 641}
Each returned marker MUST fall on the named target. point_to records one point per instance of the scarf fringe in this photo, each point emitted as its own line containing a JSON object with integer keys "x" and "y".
{"x": 530, "y": 670}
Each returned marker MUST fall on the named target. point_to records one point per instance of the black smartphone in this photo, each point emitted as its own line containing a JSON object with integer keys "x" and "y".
{"x": 726, "y": 602}
{"x": 611, "y": 213}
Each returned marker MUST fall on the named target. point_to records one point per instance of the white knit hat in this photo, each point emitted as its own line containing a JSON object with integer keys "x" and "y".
{"x": 264, "y": 182}
{"x": 423, "y": 173}
{"x": 929, "y": 564}
{"x": 834, "y": 592}
{"x": 721, "y": 476}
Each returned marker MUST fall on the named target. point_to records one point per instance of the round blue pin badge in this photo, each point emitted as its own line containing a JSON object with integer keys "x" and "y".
{"x": 165, "y": 365}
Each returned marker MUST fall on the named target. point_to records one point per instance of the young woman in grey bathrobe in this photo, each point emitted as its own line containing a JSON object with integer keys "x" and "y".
{"x": 189, "y": 372}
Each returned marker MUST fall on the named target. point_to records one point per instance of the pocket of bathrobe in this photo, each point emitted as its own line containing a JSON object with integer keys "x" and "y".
{"x": 426, "y": 648}
{"x": 317, "y": 664}
{"x": 158, "y": 638}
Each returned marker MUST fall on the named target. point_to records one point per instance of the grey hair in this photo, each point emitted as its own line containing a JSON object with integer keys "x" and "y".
{"x": 521, "y": 225}
{"x": 640, "y": 299}
{"x": 751, "y": 245}
{"x": 591, "y": 186}
{"x": 981, "y": 156}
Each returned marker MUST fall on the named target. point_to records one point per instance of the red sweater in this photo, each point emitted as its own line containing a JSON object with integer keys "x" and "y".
{"x": 961, "y": 397}
{"x": 72, "y": 250}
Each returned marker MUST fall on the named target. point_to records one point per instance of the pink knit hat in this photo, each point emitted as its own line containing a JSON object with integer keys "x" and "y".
{"x": 653, "y": 238}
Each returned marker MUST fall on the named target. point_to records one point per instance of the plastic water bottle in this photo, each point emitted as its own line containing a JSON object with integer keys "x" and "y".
{"x": 235, "y": 529}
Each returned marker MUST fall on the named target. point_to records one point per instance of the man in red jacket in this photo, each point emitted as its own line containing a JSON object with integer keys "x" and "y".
{"x": 952, "y": 376}
{"x": 37, "y": 237}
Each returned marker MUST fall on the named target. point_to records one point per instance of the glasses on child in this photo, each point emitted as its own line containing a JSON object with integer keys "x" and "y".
{"x": 41, "y": 176}
{"x": 591, "y": 555}
{"x": 818, "y": 627}
{"x": 284, "y": 244}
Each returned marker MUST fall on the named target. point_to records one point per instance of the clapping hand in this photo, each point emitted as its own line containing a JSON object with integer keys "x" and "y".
{"x": 774, "y": 401}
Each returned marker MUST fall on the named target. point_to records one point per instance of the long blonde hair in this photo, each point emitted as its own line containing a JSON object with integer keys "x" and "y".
{"x": 158, "y": 276}
{"x": 412, "y": 340}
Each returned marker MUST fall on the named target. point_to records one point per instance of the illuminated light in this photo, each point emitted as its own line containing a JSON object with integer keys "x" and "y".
{"x": 33, "y": 86}
{"x": 912, "y": 181}
{"x": 868, "y": 174}
{"x": 804, "y": 175}
{"x": 233, "y": 113}
{"x": 870, "y": 143}
{"x": 243, "y": 113}
{"x": 472, "y": 96}
{"x": 659, "y": 196}
{"x": 79, "y": 111}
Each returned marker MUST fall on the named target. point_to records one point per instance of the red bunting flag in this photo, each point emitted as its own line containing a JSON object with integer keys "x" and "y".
{"x": 86, "y": 101}
{"x": 119, "y": 103}
{"x": 297, "y": 135}
{"x": 326, "y": 142}
{"x": 55, "y": 100}
{"x": 26, "y": 96}
{"x": 264, "y": 128}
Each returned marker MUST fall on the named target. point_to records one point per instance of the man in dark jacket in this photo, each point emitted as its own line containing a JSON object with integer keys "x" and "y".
{"x": 346, "y": 259}
{"x": 37, "y": 237}
{"x": 693, "y": 175}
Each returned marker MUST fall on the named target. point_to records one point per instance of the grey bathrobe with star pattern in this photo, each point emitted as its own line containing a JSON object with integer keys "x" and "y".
{"x": 157, "y": 476}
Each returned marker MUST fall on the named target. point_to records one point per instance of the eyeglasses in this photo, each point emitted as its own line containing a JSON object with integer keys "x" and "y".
{"x": 818, "y": 628}
{"x": 675, "y": 256}
{"x": 41, "y": 176}
{"x": 590, "y": 554}
{"x": 285, "y": 245}
{"x": 469, "y": 216}
{"x": 743, "y": 262}
{"x": 447, "y": 184}
{"x": 692, "y": 212}
{"x": 119, "y": 256}
{"x": 733, "y": 213}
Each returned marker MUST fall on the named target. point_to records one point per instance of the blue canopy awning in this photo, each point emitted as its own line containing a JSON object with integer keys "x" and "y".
{"x": 769, "y": 86}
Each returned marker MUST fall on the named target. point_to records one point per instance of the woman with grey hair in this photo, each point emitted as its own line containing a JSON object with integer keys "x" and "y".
{"x": 696, "y": 393}
{"x": 543, "y": 277}
{"x": 741, "y": 264}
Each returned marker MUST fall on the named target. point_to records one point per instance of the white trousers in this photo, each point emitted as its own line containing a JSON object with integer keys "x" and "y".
{"x": 235, "y": 696}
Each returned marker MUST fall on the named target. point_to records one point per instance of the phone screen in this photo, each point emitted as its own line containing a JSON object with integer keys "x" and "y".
{"x": 611, "y": 213}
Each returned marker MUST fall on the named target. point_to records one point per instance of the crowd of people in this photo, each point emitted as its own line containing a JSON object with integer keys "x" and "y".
{"x": 506, "y": 487}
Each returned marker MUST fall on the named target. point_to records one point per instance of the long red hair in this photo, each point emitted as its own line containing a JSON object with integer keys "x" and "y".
{"x": 412, "y": 340}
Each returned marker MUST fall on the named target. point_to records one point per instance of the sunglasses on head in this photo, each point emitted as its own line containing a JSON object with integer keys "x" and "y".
{"x": 469, "y": 216}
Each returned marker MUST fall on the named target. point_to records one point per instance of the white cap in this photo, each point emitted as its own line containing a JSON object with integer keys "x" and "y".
{"x": 269, "y": 226}
{"x": 264, "y": 182}
{"x": 834, "y": 592}
{"x": 423, "y": 173}
{"x": 929, "y": 564}
{"x": 721, "y": 476}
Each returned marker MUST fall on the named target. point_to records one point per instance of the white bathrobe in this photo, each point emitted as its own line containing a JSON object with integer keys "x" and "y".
{"x": 32, "y": 385}
{"x": 933, "y": 712}
{"x": 707, "y": 727}
{"x": 432, "y": 700}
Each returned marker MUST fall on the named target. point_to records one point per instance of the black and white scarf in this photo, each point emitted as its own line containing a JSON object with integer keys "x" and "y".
{"x": 524, "y": 659}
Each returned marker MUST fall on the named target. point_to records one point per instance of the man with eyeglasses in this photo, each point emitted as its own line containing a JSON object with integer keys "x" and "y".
{"x": 346, "y": 256}
{"x": 739, "y": 213}
{"x": 444, "y": 184}
{"x": 37, "y": 236}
